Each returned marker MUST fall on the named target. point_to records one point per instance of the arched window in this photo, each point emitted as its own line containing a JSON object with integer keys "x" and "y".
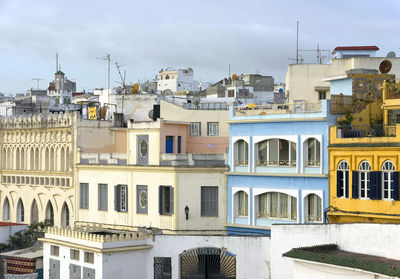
{"x": 50, "y": 213}
{"x": 52, "y": 159}
{"x": 20, "y": 211}
{"x": 276, "y": 152}
{"x": 364, "y": 179}
{"x": 277, "y": 205}
{"x": 17, "y": 159}
{"x": 6, "y": 210}
{"x": 241, "y": 204}
{"x": 32, "y": 159}
{"x": 67, "y": 159}
{"x": 62, "y": 159}
{"x": 342, "y": 180}
{"x": 241, "y": 153}
{"x": 34, "y": 213}
{"x": 4, "y": 158}
{"x": 313, "y": 208}
{"x": 37, "y": 159}
{"x": 388, "y": 180}
{"x": 314, "y": 152}
{"x": 65, "y": 216}
{"x": 23, "y": 159}
{"x": 47, "y": 159}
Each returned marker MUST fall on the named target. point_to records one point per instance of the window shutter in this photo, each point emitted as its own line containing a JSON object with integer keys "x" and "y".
{"x": 171, "y": 200}
{"x": 374, "y": 192}
{"x": 160, "y": 210}
{"x": 396, "y": 185}
{"x": 355, "y": 184}
{"x": 126, "y": 197}
{"x": 347, "y": 183}
{"x": 339, "y": 183}
{"x": 378, "y": 190}
{"x": 117, "y": 195}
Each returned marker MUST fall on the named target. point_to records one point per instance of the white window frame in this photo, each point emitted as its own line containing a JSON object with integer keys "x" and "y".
{"x": 317, "y": 145}
{"x": 344, "y": 167}
{"x": 387, "y": 168}
{"x": 363, "y": 181}
{"x": 212, "y": 128}
{"x": 195, "y": 129}
{"x": 234, "y": 191}
{"x": 204, "y": 212}
{"x": 291, "y": 163}
{"x": 236, "y": 153}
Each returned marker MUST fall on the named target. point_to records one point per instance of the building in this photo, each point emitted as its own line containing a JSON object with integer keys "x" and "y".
{"x": 364, "y": 164}
{"x": 23, "y": 264}
{"x": 98, "y": 252}
{"x": 150, "y": 180}
{"x": 172, "y": 82}
{"x": 310, "y": 82}
{"x": 61, "y": 88}
{"x": 278, "y": 166}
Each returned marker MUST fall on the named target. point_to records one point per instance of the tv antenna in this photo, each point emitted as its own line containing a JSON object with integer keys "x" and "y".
{"x": 37, "y": 81}
{"x": 319, "y": 53}
{"x": 107, "y": 57}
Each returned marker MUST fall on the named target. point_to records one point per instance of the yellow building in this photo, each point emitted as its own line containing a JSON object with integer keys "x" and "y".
{"x": 364, "y": 167}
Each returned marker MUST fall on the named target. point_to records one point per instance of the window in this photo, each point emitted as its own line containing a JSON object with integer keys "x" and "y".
{"x": 121, "y": 198}
{"x": 141, "y": 199}
{"x": 89, "y": 257}
{"x": 143, "y": 148}
{"x": 166, "y": 200}
{"x": 342, "y": 180}
{"x": 321, "y": 95}
{"x": 102, "y": 196}
{"x": 241, "y": 204}
{"x": 20, "y": 211}
{"x": 84, "y": 195}
{"x": 6, "y": 210}
{"x": 74, "y": 254}
{"x": 388, "y": 180}
{"x": 314, "y": 208}
{"x": 314, "y": 153}
{"x": 276, "y": 152}
{"x": 241, "y": 153}
{"x": 277, "y": 205}
{"x": 195, "y": 129}
{"x": 364, "y": 179}
{"x": 209, "y": 201}
{"x": 162, "y": 268}
{"x": 393, "y": 116}
{"x": 212, "y": 128}
{"x": 231, "y": 93}
{"x": 54, "y": 250}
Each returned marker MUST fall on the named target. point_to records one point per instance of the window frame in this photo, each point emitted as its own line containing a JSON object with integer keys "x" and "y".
{"x": 102, "y": 205}
{"x": 388, "y": 169}
{"x": 242, "y": 199}
{"x": 212, "y": 202}
{"x": 74, "y": 254}
{"x": 344, "y": 167}
{"x": 83, "y": 195}
{"x": 245, "y": 155}
{"x": 55, "y": 250}
{"x": 280, "y": 197}
{"x": 163, "y": 199}
{"x": 88, "y": 257}
{"x": 213, "y": 129}
{"x": 316, "y": 160}
{"x": 364, "y": 179}
{"x": 192, "y": 129}
{"x": 121, "y": 198}
{"x": 292, "y": 146}
{"x": 317, "y": 212}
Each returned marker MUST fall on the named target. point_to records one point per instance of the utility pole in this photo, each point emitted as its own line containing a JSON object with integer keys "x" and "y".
{"x": 37, "y": 81}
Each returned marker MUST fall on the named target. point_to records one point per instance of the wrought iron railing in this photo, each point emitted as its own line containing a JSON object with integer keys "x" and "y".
{"x": 313, "y": 163}
{"x": 361, "y": 131}
{"x": 280, "y": 163}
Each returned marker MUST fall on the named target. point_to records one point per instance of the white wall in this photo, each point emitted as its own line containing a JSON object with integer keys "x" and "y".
{"x": 374, "y": 239}
{"x": 6, "y": 231}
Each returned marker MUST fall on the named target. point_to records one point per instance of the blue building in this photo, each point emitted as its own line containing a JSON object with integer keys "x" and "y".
{"x": 278, "y": 161}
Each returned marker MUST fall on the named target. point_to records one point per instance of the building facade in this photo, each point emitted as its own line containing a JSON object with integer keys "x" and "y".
{"x": 278, "y": 166}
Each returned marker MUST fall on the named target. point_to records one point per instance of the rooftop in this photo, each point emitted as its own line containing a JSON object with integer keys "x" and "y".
{"x": 331, "y": 254}
{"x": 28, "y": 253}
{"x": 355, "y": 48}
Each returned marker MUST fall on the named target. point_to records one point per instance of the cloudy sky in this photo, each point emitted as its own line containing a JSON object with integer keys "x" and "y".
{"x": 254, "y": 36}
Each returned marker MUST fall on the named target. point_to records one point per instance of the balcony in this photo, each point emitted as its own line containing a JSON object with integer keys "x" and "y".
{"x": 204, "y": 160}
{"x": 277, "y": 109}
{"x": 361, "y": 131}
{"x": 103, "y": 159}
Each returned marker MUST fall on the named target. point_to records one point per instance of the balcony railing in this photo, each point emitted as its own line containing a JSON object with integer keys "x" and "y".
{"x": 280, "y": 163}
{"x": 392, "y": 91}
{"x": 313, "y": 163}
{"x": 241, "y": 163}
{"x": 361, "y": 131}
{"x": 252, "y": 109}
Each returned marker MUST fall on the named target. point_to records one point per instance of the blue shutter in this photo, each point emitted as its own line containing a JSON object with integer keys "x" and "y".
{"x": 339, "y": 183}
{"x": 347, "y": 184}
{"x": 355, "y": 185}
{"x": 396, "y": 185}
{"x": 117, "y": 195}
{"x": 374, "y": 190}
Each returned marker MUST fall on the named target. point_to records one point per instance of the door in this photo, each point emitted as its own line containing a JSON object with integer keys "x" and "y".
{"x": 54, "y": 269}
{"x": 169, "y": 144}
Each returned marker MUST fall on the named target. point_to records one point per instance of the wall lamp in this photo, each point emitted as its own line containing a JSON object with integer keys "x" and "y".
{"x": 187, "y": 212}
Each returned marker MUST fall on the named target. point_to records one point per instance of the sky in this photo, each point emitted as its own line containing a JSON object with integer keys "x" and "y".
{"x": 252, "y": 36}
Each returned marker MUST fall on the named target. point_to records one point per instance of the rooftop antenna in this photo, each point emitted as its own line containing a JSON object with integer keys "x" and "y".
{"x": 297, "y": 43}
{"x": 319, "y": 53}
{"x": 108, "y": 58}
{"x": 37, "y": 81}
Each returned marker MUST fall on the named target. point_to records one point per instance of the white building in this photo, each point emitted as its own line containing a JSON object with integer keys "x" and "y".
{"x": 61, "y": 88}
{"x": 177, "y": 81}
{"x": 98, "y": 252}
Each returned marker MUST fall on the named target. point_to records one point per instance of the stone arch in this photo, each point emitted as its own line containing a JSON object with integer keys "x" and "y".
{"x": 23, "y": 159}
{"x": 17, "y": 158}
{"x": 50, "y": 212}
{"x": 31, "y": 158}
{"x": 20, "y": 211}
{"x": 52, "y": 159}
{"x": 6, "y": 209}
{"x": 47, "y": 159}
{"x": 34, "y": 212}
{"x": 62, "y": 159}
{"x": 65, "y": 216}
{"x": 37, "y": 158}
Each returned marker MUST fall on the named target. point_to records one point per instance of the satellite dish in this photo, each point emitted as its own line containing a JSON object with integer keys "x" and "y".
{"x": 151, "y": 113}
{"x": 391, "y": 54}
{"x": 385, "y": 66}
{"x": 167, "y": 92}
{"x": 119, "y": 90}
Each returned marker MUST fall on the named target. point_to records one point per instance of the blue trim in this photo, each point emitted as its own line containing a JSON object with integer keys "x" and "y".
{"x": 247, "y": 231}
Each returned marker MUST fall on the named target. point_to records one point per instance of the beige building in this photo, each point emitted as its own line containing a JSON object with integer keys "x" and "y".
{"x": 310, "y": 82}
{"x": 156, "y": 183}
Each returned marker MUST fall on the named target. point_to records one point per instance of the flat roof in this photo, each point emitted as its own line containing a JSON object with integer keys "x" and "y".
{"x": 355, "y": 48}
{"x": 27, "y": 253}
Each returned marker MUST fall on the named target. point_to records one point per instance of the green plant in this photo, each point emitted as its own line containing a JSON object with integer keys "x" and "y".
{"x": 26, "y": 238}
{"x": 348, "y": 118}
